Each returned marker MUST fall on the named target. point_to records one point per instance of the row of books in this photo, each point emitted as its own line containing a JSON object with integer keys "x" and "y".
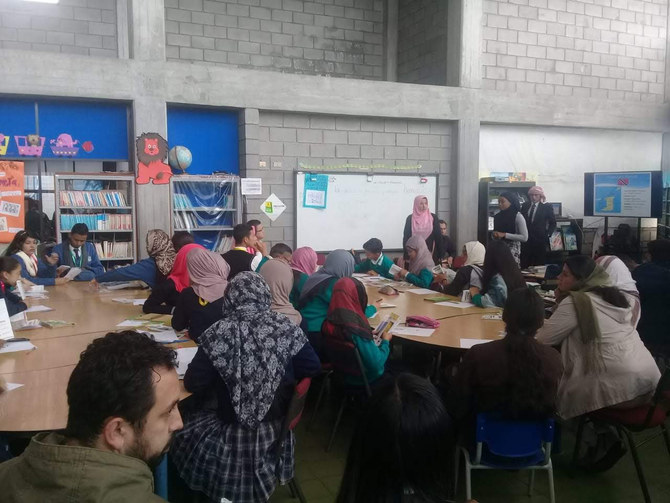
{"x": 114, "y": 249}
{"x": 563, "y": 239}
{"x": 223, "y": 243}
{"x": 83, "y": 198}
{"x": 98, "y": 221}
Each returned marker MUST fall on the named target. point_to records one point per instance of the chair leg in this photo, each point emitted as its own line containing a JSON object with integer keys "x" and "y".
{"x": 468, "y": 483}
{"x": 457, "y": 460}
{"x": 550, "y": 473}
{"x": 638, "y": 465}
{"x": 296, "y": 490}
{"x": 322, "y": 389}
{"x": 337, "y": 424}
{"x": 666, "y": 437}
{"x": 531, "y": 482}
{"x": 578, "y": 439}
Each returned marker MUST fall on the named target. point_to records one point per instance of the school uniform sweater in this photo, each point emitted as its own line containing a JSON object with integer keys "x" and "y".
{"x": 14, "y": 303}
{"x": 144, "y": 270}
{"x": 495, "y": 295}
{"x": 381, "y": 266}
{"x": 299, "y": 280}
{"x": 163, "y": 298}
{"x": 238, "y": 260}
{"x": 190, "y": 313}
{"x": 46, "y": 274}
{"x": 88, "y": 260}
{"x": 422, "y": 280}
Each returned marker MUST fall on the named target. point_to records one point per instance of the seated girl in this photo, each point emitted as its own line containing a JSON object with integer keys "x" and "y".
{"x": 303, "y": 263}
{"x": 501, "y": 275}
{"x": 516, "y": 376}
{"x": 606, "y": 363}
{"x": 237, "y": 438}
{"x": 279, "y": 277}
{"x": 164, "y": 296}
{"x": 421, "y": 263}
{"x": 24, "y": 248}
{"x": 10, "y": 273}
{"x": 201, "y": 305}
{"x": 152, "y": 270}
{"x": 346, "y": 324}
{"x": 318, "y": 290}
{"x": 470, "y": 274}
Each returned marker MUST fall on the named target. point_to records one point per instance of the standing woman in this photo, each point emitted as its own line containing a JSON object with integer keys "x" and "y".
{"x": 425, "y": 224}
{"x": 509, "y": 224}
{"x": 303, "y": 263}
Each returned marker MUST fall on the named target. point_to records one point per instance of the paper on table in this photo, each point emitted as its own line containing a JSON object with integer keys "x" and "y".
{"x": 184, "y": 357}
{"x": 12, "y": 385}
{"x": 38, "y": 309}
{"x": 386, "y": 304}
{"x": 166, "y": 336}
{"x": 394, "y": 269}
{"x": 413, "y": 331}
{"x": 132, "y": 323}
{"x": 12, "y": 347}
{"x": 420, "y": 291}
{"x": 73, "y": 273}
{"x": 468, "y": 343}
{"x": 358, "y": 275}
{"x": 454, "y": 303}
{"x": 139, "y": 302}
{"x": 123, "y": 301}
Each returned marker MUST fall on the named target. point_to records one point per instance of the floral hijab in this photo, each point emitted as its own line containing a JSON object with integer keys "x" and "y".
{"x": 161, "y": 250}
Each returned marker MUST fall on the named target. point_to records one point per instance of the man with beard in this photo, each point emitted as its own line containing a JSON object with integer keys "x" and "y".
{"x": 122, "y": 398}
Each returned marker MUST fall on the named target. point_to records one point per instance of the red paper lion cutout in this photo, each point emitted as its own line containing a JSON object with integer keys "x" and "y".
{"x": 152, "y": 150}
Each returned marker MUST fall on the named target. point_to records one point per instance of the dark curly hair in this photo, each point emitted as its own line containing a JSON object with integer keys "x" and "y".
{"x": 114, "y": 377}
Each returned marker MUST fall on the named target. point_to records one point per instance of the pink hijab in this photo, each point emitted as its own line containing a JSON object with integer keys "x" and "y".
{"x": 422, "y": 222}
{"x": 179, "y": 273}
{"x": 209, "y": 274}
{"x": 304, "y": 260}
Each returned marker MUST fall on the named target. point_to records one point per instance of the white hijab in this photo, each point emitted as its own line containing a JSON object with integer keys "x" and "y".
{"x": 476, "y": 253}
{"x": 622, "y": 279}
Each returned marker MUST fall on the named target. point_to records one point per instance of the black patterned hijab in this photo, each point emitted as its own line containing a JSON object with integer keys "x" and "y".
{"x": 251, "y": 346}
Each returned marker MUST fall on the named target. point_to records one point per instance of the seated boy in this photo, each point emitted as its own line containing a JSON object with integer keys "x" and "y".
{"x": 77, "y": 252}
{"x": 375, "y": 260}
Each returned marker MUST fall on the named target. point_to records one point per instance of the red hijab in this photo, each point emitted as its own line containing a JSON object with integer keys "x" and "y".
{"x": 179, "y": 273}
{"x": 346, "y": 312}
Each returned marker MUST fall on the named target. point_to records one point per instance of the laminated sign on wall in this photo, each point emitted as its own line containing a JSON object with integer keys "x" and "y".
{"x": 272, "y": 207}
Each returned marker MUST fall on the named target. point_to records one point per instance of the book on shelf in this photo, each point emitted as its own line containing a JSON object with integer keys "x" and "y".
{"x": 98, "y": 221}
{"x": 84, "y": 198}
{"x": 223, "y": 243}
{"x": 114, "y": 249}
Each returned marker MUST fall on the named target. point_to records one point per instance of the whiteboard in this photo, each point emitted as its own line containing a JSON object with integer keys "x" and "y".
{"x": 361, "y": 206}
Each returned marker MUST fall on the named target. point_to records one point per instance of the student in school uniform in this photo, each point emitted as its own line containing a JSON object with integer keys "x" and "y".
{"x": 470, "y": 274}
{"x": 501, "y": 275}
{"x": 228, "y": 447}
{"x": 152, "y": 270}
{"x": 201, "y": 305}
{"x": 239, "y": 259}
{"x": 10, "y": 273}
{"x": 281, "y": 251}
{"x": 606, "y": 363}
{"x": 279, "y": 277}
{"x": 77, "y": 252}
{"x": 421, "y": 263}
{"x": 318, "y": 290}
{"x": 163, "y": 298}
{"x": 24, "y": 248}
{"x": 258, "y": 231}
{"x": 375, "y": 260}
{"x": 509, "y": 226}
{"x": 347, "y": 324}
{"x": 425, "y": 224}
{"x": 304, "y": 263}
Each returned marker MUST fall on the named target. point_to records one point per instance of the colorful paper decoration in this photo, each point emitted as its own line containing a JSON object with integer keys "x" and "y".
{"x": 30, "y": 145}
{"x": 152, "y": 149}
{"x": 64, "y": 146}
{"x": 4, "y": 143}
{"x": 87, "y": 146}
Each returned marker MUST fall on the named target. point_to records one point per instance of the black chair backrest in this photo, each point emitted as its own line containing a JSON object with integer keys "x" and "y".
{"x": 293, "y": 413}
{"x": 346, "y": 359}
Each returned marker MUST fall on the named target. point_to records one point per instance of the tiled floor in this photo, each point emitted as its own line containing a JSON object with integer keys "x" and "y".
{"x": 319, "y": 473}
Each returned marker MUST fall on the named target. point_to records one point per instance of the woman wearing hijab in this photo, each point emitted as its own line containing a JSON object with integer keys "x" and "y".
{"x": 249, "y": 362}
{"x": 621, "y": 278}
{"x": 606, "y": 363}
{"x": 201, "y": 304}
{"x": 509, "y": 224}
{"x": 279, "y": 277}
{"x": 303, "y": 263}
{"x": 424, "y": 224}
{"x": 421, "y": 263}
{"x": 318, "y": 290}
{"x": 501, "y": 275}
{"x": 469, "y": 275}
{"x": 346, "y": 324}
{"x": 164, "y": 297}
{"x": 152, "y": 270}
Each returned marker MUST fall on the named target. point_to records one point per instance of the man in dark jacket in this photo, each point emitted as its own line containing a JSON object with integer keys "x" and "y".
{"x": 541, "y": 222}
{"x": 122, "y": 399}
{"x": 653, "y": 283}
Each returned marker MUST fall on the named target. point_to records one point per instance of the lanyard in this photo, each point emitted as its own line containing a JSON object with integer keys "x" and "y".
{"x": 76, "y": 261}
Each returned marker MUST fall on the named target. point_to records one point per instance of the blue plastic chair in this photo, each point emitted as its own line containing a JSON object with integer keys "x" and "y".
{"x": 161, "y": 479}
{"x": 511, "y": 445}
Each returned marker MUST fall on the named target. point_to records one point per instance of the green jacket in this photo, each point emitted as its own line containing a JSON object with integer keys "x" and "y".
{"x": 423, "y": 279}
{"x": 51, "y": 472}
{"x": 382, "y": 269}
{"x": 294, "y": 296}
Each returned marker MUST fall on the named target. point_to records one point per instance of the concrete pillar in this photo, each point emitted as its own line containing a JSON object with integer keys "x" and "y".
{"x": 147, "y": 43}
{"x": 464, "y": 43}
{"x": 249, "y": 119}
{"x": 391, "y": 45}
{"x": 465, "y": 181}
{"x": 123, "y": 29}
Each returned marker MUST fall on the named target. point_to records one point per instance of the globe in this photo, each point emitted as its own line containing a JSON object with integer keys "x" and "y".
{"x": 179, "y": 158}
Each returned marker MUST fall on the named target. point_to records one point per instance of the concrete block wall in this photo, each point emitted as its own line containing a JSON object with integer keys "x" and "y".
{"x": 341, "y": 38}
{"x": 422, "y": 41}
{"x": 85, "y": 27}
{"x": 613, "y": 49}
{"x": 286, "y": 140}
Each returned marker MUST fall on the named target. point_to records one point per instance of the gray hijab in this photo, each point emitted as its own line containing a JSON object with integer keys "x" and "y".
{"x": 339, "y": 264}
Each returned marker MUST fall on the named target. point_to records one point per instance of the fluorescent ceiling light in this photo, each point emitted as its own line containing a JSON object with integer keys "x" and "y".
{"x": 42, "y": 1}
